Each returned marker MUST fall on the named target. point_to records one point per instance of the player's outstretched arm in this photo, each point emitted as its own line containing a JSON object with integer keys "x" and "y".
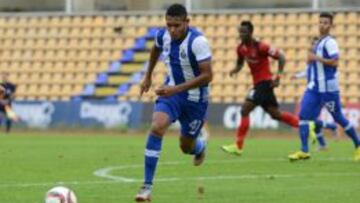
{"x": 331, "y": 62}
{"x": 154, "y": 56}
{"x": 332, "y": 49}
{"x": 299, "y": 74}
{"x": 239, "y": 66}
{"x": 281, "y": 60}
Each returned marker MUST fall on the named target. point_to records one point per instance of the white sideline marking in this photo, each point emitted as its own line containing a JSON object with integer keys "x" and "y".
{"x": 104, "y": 173}
{"x": 111, "y": 179}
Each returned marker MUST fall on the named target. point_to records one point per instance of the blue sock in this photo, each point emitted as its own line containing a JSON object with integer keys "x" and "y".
{"x": 304, "y": 135}
{"x": 322, "y": 124}
{"x": 319, "y": 136}
{"x": 152, "y": 153}
{"x": 330, "y": 126}
{"x": 320, "y": 139}
{"x": 350, "y": 131}
{"x": 199, "y": 146}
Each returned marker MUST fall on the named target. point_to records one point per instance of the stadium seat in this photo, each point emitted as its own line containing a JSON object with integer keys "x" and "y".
{"x": 72, "y": 50}
{"x": 352, "y": 18}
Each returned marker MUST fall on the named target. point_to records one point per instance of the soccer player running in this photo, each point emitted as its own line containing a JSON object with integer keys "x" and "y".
{"x": 315, "y": 132}
{"x": 183, "y": 97}
{"x": 323, "y": 89}
{"x": 256, "y": 54}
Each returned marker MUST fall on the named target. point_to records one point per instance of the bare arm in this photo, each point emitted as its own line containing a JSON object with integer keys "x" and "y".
{"x": 282, "y": 62}
{"x": 332, "y": 49}
{"x": 154, "y": 56}
{"x": 330, "y": 62}
{"x": 239, "y": 66}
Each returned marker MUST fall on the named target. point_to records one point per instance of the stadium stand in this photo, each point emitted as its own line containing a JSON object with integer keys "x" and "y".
{"x": 64, "y": 57}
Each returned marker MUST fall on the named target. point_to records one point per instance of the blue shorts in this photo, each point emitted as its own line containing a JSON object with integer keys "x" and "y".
{"x": 191, "y": 115}
{"x": 313, "y": 102}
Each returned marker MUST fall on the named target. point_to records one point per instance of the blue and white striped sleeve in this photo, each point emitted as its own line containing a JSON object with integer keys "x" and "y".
{"x": 201, "y": 49}
{"x": 332, "y": 48}
{"x": 159, "y": 38}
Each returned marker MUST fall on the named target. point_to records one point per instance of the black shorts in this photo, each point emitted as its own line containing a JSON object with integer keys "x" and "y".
{"x": 263, "y": 94}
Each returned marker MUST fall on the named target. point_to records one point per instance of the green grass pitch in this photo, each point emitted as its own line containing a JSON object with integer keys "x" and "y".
{"x": 32, "y": 163}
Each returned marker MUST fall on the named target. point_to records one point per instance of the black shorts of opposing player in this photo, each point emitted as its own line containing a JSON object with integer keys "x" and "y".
{"x": 263, "y": 94}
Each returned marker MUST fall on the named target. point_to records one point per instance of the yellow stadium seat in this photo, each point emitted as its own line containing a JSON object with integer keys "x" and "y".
{"x": 303, "y": 18}
{"x": 352, "y": 18}
{"x": 120, "y": 20}
{"x": 98, "y": 21}
{"x": 86, "y": 32}
{"x": 97, "y": 32}
{"x": 279, "y": 31}
{"x": 87, "y": 21}
{"x": 266, "y": 31}
{"x": 222, "y": 20}
{"x": 210, "y": 20}
{"x": 303, "y": 31}
{"x": 66, "y": 90}
{"x": 339, "y": 30}
{"x": 352, "y": 30}
{"x": 71, "y": 50}
{"x": 235, "y": 19}
{"x": 351, "y": 54}
{"x": 134, "y": 91}
{"x": 268, "y": 19}
{"x": 197, "y": 20}
{"x": 77, "y": 89}
{"x": 291, "y": 19}
{"x": 2, "y": 22}
{"x": 233, "y": 32}
{"x": 339, "y": 18}
{"x": 351, "y": 42}
{"x": 90, "y": 78}
{"x": 256, "y": 19}
{"x": 279, "y": 19}
{"x": 157, "y": 21}
{"x": 314, "y": 19}
{"x": 13, "y": 21}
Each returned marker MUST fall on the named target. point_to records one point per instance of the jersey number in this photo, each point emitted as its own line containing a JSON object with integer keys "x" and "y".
{"x": 330, "y": 106}
{"x": 194, "y": 126}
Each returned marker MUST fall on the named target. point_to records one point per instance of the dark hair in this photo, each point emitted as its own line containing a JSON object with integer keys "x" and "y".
{"x": 176, "y": 10}
{"x": 328, "y": 15}
{"x": 248, "y": 24}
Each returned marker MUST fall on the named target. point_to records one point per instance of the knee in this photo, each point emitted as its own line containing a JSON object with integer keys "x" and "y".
{"x": 244, "y": 113}
{"x": 276, "y": 117}
{"x": 185, "y": 148}
{"x": 158, "y": 128}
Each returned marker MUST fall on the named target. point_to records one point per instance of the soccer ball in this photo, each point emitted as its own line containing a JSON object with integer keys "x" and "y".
{"x": 60, "y": 194}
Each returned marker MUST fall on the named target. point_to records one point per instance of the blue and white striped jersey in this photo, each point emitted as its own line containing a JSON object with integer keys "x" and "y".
{"x": 323, "y": 78}
{"x": 182, "y": 59}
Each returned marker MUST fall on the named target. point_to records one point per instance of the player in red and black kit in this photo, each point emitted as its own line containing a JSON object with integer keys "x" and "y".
{"x": 256, "y": 54}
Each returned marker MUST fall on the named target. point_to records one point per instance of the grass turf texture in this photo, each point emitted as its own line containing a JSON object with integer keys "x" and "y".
{"x": 30, "y": 164}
